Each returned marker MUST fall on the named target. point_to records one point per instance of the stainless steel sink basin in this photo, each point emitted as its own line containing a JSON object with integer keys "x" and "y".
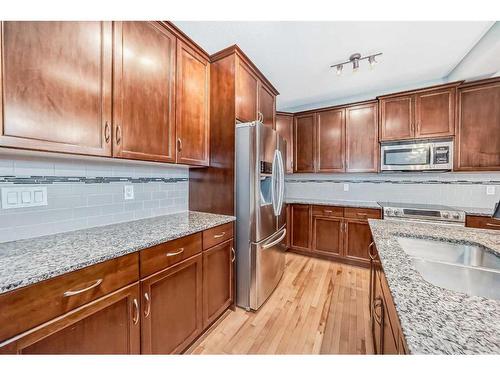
{"x": 465, "y": 268}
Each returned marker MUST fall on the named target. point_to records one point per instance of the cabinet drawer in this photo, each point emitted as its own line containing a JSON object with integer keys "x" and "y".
{"x": 362, "y": 213}
{"x": 482, "y": 222}
{"x": 215, "y": 236}
{"x": 164, "y": 255}
{"x": 30, "y": 306}
{"x": 328, "y": 211}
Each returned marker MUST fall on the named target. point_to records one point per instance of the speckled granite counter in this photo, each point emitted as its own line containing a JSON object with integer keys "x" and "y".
{"x": 435, "y": 320}
{"x": 476, "y": 211}
{"x": 26, "y": 262}
{"x": 334, "y": 202}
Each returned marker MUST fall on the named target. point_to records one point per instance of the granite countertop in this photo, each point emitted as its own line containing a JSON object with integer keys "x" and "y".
{"x": 476, "y": 211}
{"x": 435, "y": 320}
{"x": 26, "y": 262}
{"x": 334, "y": 202}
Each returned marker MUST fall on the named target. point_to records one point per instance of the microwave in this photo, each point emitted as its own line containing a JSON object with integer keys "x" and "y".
{"x": 417, "y": 156}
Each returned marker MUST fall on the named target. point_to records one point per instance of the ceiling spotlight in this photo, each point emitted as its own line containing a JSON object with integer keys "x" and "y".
{"x": 372, "y": 61}
{"x": 354, "y": 59}
{"x": 339, "y": 69}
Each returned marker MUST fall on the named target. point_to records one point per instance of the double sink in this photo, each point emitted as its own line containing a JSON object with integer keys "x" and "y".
{"x": 463, "y": 267}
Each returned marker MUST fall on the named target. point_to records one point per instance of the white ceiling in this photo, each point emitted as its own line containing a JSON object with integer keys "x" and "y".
{"x": 295, "y": 56}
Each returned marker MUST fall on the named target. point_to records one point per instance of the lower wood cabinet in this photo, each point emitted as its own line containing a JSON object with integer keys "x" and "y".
{"x": 172, "y": 308}
{"x": 217, "y": 281}
{"x": 482, "y": 222}
{"x": 109, "y": 325}
{"x": 339, "y": 233}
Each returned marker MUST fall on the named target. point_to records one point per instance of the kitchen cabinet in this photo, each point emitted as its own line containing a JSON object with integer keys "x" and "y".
{"x": 172, "y": 307}
{"x": 192, "y": 110}
{"x": 477, "y": 141}
{"x": 144, "y": 92}
{"x": 109, "y": 325}
{"x": 426, "y": 113}
{"x": 56, "y": 86}
{"x": 338, "y": 233}
{"x": 361, "y": 144}
{"x": 304, "y": 143}
{"x": 284, "y": 127}
{"x": 300, "y": 226}
{"x": 482, "y": 222}
{"x": 267, "y": 106}
{"x": 330, "y": 141}
{"x": 217, "y": 281}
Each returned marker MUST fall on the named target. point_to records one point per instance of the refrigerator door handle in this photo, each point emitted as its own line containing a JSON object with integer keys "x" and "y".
{"x": 281, "y": 180}
{"x": 278, "y": 240}
{"x": 274, "y": 191}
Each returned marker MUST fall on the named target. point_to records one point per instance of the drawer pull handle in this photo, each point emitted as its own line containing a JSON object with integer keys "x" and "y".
{"x": 327, "y": 211}
{"x": 361, "y": 214}
{"x": 70, "y": 293}
{"x": 220, "y": 235}
{"x": 234, "y": 255}
{"x": 147, "y": 309}
{"x": 174, "y": 253}
{"x": 493, "y": 225}
{"x": 372, "y": 253}
{"x": 135, "y": 319}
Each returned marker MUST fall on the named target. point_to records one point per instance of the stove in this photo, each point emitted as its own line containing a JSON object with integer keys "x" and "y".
{"x": 426, "y": 213}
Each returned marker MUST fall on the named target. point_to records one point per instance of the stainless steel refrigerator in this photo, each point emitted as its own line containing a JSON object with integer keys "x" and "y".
{"x": 261, "y": 217}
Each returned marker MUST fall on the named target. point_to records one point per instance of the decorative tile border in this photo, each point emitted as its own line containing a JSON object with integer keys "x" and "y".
{"x": 429, "y": 182}
{"x": 85, "y": 180}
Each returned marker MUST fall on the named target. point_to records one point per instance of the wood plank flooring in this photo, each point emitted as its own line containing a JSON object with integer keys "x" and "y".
{"x": 319, "y": 307}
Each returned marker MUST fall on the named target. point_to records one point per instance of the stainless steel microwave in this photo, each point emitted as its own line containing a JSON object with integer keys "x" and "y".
{"x": 417, "y": 156}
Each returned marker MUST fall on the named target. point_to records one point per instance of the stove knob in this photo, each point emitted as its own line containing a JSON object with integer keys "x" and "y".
{"x": 456, "y": 216}
{"x": 446, "y": 215}
{"x": 397, "y": 212}
{"x": 389, "y": 212}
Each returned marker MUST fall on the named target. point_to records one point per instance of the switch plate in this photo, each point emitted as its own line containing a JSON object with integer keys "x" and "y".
{"x": 128, "y": 192}
{"x": 25, "y": 196}
{"x": 490, "y": 190}
{"x": 346, "y": 187}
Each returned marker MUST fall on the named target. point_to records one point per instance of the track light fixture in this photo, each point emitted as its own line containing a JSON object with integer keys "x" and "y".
{"x": 354, "y": 59}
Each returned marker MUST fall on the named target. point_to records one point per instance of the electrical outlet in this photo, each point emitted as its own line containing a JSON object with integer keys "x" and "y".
{"x": 490, "y": 190}
{"x": 128, "y": 192}
{"x": 346, "y": 187}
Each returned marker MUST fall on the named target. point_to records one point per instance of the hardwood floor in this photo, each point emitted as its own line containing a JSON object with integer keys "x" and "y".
{"x": 319, "y": 307}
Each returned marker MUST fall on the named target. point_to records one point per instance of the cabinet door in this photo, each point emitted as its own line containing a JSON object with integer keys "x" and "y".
{"x": 330, "y": 141}
{"x": 397, "y": 117}
{"x": 482, "y": 222}
{"x": 217, "y": 276}
{"x": 327, "y": 235}
{"x": 362, "y": 147}
{"x": 390, "y": 345}
{"x": 246, "y": 92}
{"x": 267, "y": 106}
{"x": 301, "y": 226}
{"x": 284, "y": 127}
{"x": 56, "y": 86}
{"x": 192, "y": 110}
{"x": 144, "y": 92}
{"x": 172, "y": 308}
{"x": 109, "y": 325}
{"x": 303, "y": 139}
{"x": 357, "y": 239}
{"x": 435, "y": 113}
{"x": 477, "y": 142}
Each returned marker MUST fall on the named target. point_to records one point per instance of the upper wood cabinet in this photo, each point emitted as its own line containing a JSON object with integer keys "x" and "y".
{"x": 56, "y": 86}
{"x": 423, "y": 113}
{"x": 267, "y": 106}
{"x": 109, "y": 325}
{"x": 255, "y": 99}
{"x": 144, "y": 92}
{"x": 362, "y": 147}
{"x": 477, "y": 142}
{"x": 284, "y": 127}
{"x": 304, "y": 143}
{"x": 193, "y": 100}
{"x": 330, "y": 141}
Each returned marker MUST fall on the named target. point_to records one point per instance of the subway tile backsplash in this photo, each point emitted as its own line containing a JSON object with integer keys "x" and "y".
{"x": 88, "y": 193}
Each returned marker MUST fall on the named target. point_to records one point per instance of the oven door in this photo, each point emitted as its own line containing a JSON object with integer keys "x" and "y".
{"x": 409, "y": 157}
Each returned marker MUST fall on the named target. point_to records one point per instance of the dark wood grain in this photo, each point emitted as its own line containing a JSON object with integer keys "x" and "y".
{"x": 477, "y": 141}
{"x": 217, "y": 281}
{"x": 482, "y": 222}
{"x": 327, "y": 235}
{"x": 105, "y": 326}
{"x": 397, "y": 117}
{"x": 215, "y": 236}
{"x": 357, "y": 239}
{"x": 435, "y": 113}
{"x": 330, "y": 141}
{"x": 175, "y": 316}
{"x": 267, "y": 106}
{"x": 246, "y": 92}
{"x": 284, "y": 127}
{"x": 300, "y": 226}
{"x": 304, "y": 143}
{"x": 56, "y": 86}
{"x": 362, "y": 147}
{"x": 192, "y": 106}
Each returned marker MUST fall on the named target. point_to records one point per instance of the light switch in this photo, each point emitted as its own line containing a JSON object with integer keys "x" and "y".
{"x": 23, "y": 196}
{"x": 346, "y": 187}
